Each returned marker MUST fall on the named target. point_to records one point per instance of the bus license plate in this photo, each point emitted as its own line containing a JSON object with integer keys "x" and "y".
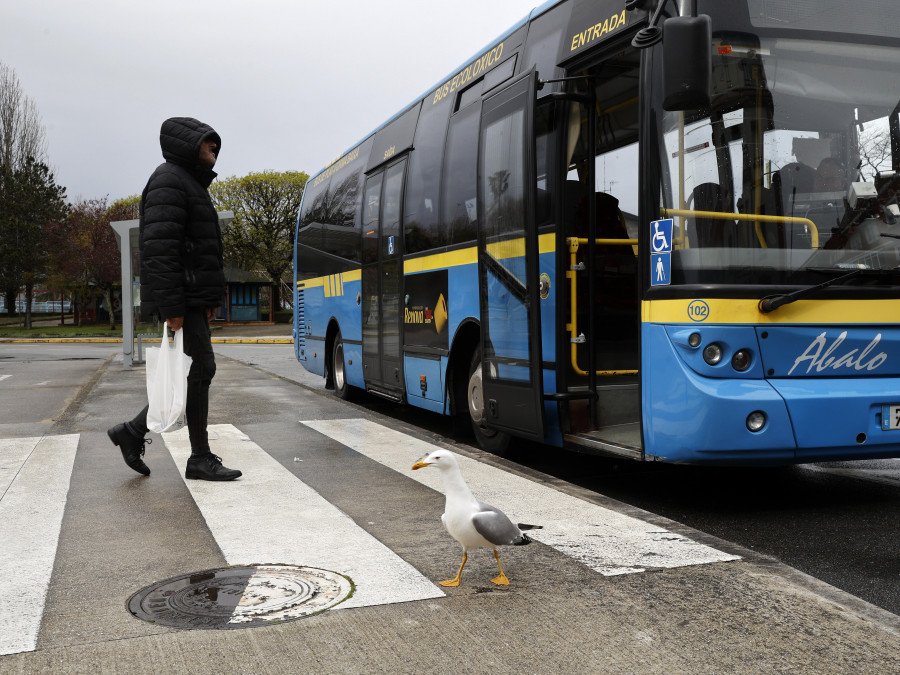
{"x": 890, "y": 417}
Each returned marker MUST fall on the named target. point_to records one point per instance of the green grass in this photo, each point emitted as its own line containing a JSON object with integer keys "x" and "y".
{"x": 44, "y": 326}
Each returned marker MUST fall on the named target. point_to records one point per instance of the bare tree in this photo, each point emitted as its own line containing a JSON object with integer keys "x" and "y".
{"x": 22, "y": 135}
{"x": 22, "y": 145}
{"x": 875, "y": 149}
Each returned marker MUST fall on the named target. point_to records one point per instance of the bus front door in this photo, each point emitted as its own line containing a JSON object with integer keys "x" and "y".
{"x": 508, "y": 263}
{"x": 381, "y": 281}
{"x": 601, "y": 363}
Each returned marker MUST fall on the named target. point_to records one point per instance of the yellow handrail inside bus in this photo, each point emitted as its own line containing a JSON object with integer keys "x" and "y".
{"x": 720, "y": 215}
{"x": 574, "y": 243}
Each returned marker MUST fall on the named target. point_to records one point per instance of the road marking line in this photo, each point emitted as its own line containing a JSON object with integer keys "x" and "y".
{"x": 271, "y": 516}
{"x": 34, "y": 485}
{"x": 13, "y": 453}
{"x": 884, "y": 476}
{"x": 606, "y": 541}
{"x": 4, "y": 377}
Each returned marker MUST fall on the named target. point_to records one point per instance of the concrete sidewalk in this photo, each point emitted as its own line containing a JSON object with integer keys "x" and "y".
{"x": 252, "y": 334}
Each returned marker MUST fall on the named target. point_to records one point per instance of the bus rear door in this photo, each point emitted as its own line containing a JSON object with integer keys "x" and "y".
{"x": 382, "y": 280}
{"x": 508, "y": 263}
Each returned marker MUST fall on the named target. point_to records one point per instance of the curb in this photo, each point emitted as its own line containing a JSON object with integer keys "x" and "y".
{"x": 236, "y": 340}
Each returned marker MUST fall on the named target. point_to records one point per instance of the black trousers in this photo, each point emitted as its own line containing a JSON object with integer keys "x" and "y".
{"x": 198, "y": 346}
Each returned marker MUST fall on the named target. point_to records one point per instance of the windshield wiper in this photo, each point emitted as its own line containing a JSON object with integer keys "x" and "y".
{"x": 772, "y": 302}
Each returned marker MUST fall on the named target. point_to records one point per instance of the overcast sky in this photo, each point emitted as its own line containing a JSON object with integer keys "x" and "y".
{"x": 288, "y": 84}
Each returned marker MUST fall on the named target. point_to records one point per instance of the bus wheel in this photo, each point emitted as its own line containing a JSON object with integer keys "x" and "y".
{"x": 341, "y": 388}
{"x": 490, "y": 440}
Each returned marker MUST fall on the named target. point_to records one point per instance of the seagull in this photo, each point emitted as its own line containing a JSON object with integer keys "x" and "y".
{"x": 472, "y": 523}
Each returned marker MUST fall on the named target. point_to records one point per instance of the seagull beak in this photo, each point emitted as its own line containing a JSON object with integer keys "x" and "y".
{"x": 419, "y": 465}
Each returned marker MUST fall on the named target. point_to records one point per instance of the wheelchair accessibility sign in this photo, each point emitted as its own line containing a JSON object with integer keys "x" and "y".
{"x": 661, "y": 252}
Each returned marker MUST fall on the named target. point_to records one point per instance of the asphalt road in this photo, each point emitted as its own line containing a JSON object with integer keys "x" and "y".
{"x": 42, "y": 377}
{"x": 838, "y": 522}
{"x": 121, "y": 532}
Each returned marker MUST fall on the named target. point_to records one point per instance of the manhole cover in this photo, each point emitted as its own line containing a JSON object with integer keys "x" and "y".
{"x": 240, "y": 597}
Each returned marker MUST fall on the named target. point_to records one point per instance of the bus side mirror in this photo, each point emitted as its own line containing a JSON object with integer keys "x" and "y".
{"x": 687, "y": 62}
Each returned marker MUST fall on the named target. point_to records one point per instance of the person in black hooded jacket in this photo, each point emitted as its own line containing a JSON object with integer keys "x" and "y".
{"x": 182, "y": 280}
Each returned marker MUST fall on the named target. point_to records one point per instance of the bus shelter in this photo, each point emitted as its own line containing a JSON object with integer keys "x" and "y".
{"x": 127, "y": 239}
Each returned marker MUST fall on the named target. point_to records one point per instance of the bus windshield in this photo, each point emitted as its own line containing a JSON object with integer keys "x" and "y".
{"x": 793, "y": 168}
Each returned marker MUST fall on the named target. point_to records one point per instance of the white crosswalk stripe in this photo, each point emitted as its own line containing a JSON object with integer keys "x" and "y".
{"x": 606, "y": 541}
{"x": 34, "y": 483}
{"x": 271, "y": 516}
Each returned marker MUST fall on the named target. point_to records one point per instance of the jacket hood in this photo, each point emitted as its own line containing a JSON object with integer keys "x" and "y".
{"x": 180, "y": 139}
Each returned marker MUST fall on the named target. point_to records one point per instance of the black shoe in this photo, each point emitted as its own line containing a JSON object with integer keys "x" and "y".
{"x": 209, "y": 467}
{"x": 131, "y": 446}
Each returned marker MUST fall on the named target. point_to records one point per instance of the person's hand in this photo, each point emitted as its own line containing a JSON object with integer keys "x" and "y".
{"x": 175, "y": 323}
{"x": 211, "y": 313}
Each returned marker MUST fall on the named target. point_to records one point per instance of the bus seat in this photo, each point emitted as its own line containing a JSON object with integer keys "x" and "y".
{"x": 791, "y": 179}
{"x": 708, "y": 232}
{"x": 610, "y": 221}
{"x": 574, "y": 192}
{"x": 762, "y": 201}
{"x": 615, "y": 265}
{"x": 771, "y": 205}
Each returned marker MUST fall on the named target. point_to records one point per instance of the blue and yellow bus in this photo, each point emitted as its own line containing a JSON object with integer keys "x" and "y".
{"x": 655, "y": 229}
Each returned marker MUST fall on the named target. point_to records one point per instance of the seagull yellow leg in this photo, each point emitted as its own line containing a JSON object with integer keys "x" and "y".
{"x": 501, "y": 580}
{"x": 455, "y": 582}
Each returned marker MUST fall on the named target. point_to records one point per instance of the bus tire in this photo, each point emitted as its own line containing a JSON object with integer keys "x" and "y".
{"x": 490, "y": 440}
{"x": 339, "y": 369}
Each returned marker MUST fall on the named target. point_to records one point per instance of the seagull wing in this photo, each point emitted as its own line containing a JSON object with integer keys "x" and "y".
{"x": 492, "y": 524}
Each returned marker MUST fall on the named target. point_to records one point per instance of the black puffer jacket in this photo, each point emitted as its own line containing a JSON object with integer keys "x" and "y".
{"x": 180, "y": 239}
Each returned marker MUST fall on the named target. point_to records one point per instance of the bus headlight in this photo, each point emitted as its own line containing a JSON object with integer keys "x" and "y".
{"x": 741, "y": 360}
{"x": 712, "y": 354}
{"x": 756, "y": 420}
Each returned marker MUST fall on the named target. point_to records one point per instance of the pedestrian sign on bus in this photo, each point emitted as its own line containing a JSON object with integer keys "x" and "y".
{"x": 661, "y": 252}
{"x": 660, "y": 269}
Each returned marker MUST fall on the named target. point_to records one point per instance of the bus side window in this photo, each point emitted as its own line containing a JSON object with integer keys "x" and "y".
{"x": 542, "y": 46}
{"x": 460, "y": 170}
{"x": 544, "y": 161}
{"x": 371, "y": 205}
{"x": 421, "y": 228}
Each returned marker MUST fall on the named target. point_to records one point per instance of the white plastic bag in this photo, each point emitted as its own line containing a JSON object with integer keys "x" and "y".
{"x": 167, "y": 370}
